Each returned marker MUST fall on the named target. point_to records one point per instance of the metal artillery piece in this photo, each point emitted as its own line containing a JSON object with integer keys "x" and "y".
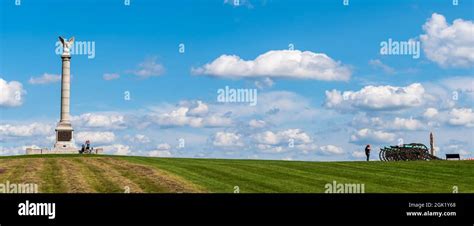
{"x": 406, "y": 152}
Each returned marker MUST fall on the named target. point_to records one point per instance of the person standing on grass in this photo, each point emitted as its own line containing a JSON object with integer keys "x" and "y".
{"x": 367, "y": 151}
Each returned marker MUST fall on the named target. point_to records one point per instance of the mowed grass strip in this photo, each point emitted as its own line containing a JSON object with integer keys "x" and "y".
{"x": 207, "y": 175}
{"x": 99, "y": 177}
{"x": 440, "y": 176}
{"x": 144, "y": 174}
{"x": 219, "y": 175}
{"x": 11, "y": 170}
{"x": 51, "y": 178}
{"x": 74, "y": 177}
{"x": 408, "y": 177}
{"x": 248, "y": 175}
{"x": 143, "y": 183}
{"x": 32, "y": 172}
{"x": 150, "y": 179}
{"x": 21, "y": 171}
{"x": 223, "y": 176}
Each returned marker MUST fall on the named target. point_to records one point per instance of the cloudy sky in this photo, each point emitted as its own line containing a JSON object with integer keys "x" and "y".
{"x": 329, "y": 77}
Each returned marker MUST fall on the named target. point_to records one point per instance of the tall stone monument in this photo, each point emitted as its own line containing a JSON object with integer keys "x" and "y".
{"x": 432, "y": 144}
{"x": 64, "y": 131}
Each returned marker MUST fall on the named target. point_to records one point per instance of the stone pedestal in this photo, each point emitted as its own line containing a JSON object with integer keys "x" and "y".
{"x": 64, "y": 139}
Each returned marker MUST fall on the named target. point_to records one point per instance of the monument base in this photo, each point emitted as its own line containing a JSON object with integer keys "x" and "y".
{"x": 64, "y": 150}
{"x": 64, "y": 142}
{"x": 45, "y": 151}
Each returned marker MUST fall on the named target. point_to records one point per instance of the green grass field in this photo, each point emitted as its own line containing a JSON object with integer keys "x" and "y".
{"x": 74, "y": 173}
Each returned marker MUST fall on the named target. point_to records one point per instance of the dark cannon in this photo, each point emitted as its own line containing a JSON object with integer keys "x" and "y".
{"x": 406, "y": 152}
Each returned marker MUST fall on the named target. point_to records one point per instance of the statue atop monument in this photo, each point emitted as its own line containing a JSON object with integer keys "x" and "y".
{"x": 67, "y": 44}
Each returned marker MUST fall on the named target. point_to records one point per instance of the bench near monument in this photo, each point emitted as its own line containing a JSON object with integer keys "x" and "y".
{"x": 453, "y": 156}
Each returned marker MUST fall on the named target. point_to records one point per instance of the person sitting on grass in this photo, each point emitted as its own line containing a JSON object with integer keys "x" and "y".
{"x": 88, "y": 146}
{"x": 83, "y": 149}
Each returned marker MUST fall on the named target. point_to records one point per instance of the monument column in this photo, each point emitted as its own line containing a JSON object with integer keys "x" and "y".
{"x": 65, "y": 89}
{"x": 64, "y": 131}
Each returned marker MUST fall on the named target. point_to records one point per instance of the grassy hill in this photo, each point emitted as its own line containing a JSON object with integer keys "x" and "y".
{"x": 76, "y": 173}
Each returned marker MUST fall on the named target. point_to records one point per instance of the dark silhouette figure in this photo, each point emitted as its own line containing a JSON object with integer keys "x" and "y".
{"x": 367, "y": 151}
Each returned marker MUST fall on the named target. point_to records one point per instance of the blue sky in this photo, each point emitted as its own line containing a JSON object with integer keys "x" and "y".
{"x": 173, "y": 94}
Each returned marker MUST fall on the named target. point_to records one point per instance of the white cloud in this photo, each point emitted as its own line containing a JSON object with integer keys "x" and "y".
{"x": 278, "y": 64}
{"x": 366, "y": 136}
{"x": 378, "y": 64}
{"x": 439, "y": 94}
{"x": 275, "y": 107}
{"x": 463, "y": 84}
{"x": 227, "y": 139}
{"x": 264, "y": 83}
{"x": 398, "y": 123}
{"x": 361, "y": 120}
{"x": 11, "y": 94}
{"x": 178, "y": 117}
{"x": 193, "y": 116}
{"x": 110, "y": 76}
{"x": 283, "y": 137}
{"x": 358, "y": 154}
{"x": 158, "y": 153}
{"x": 284, "y": 140}
{"x": 45, "y": 79}
{"x": 406, "y": 124}
{"x": 461, "y": 117}
{"x": 280, "y": 148}
{"x": 430, "y": 113}
{"x": 164, "y": 147}
{"x": 27, "y": 130}
{"x": 331, "y": 149}
{"x": 269, "y": 137}
{"x": 216, "y": 121}
{"x": 377, "y": 98}
{"x": 149, "y": 68}
{"x": 307, "y": 147}
{"x": 138, "y": 138}
{"x": 162, "y": 150}
{"x": 271, "y": 148}
{"x": 254, "y": 123}
{"x": 51, "y": 138}
{"x": 117, "y": 149}
{"x": 100, "y": 120}
{"x": 95, "y": 137}
{"x": 199, "y": 110}
{"x": 448, "y": 45}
